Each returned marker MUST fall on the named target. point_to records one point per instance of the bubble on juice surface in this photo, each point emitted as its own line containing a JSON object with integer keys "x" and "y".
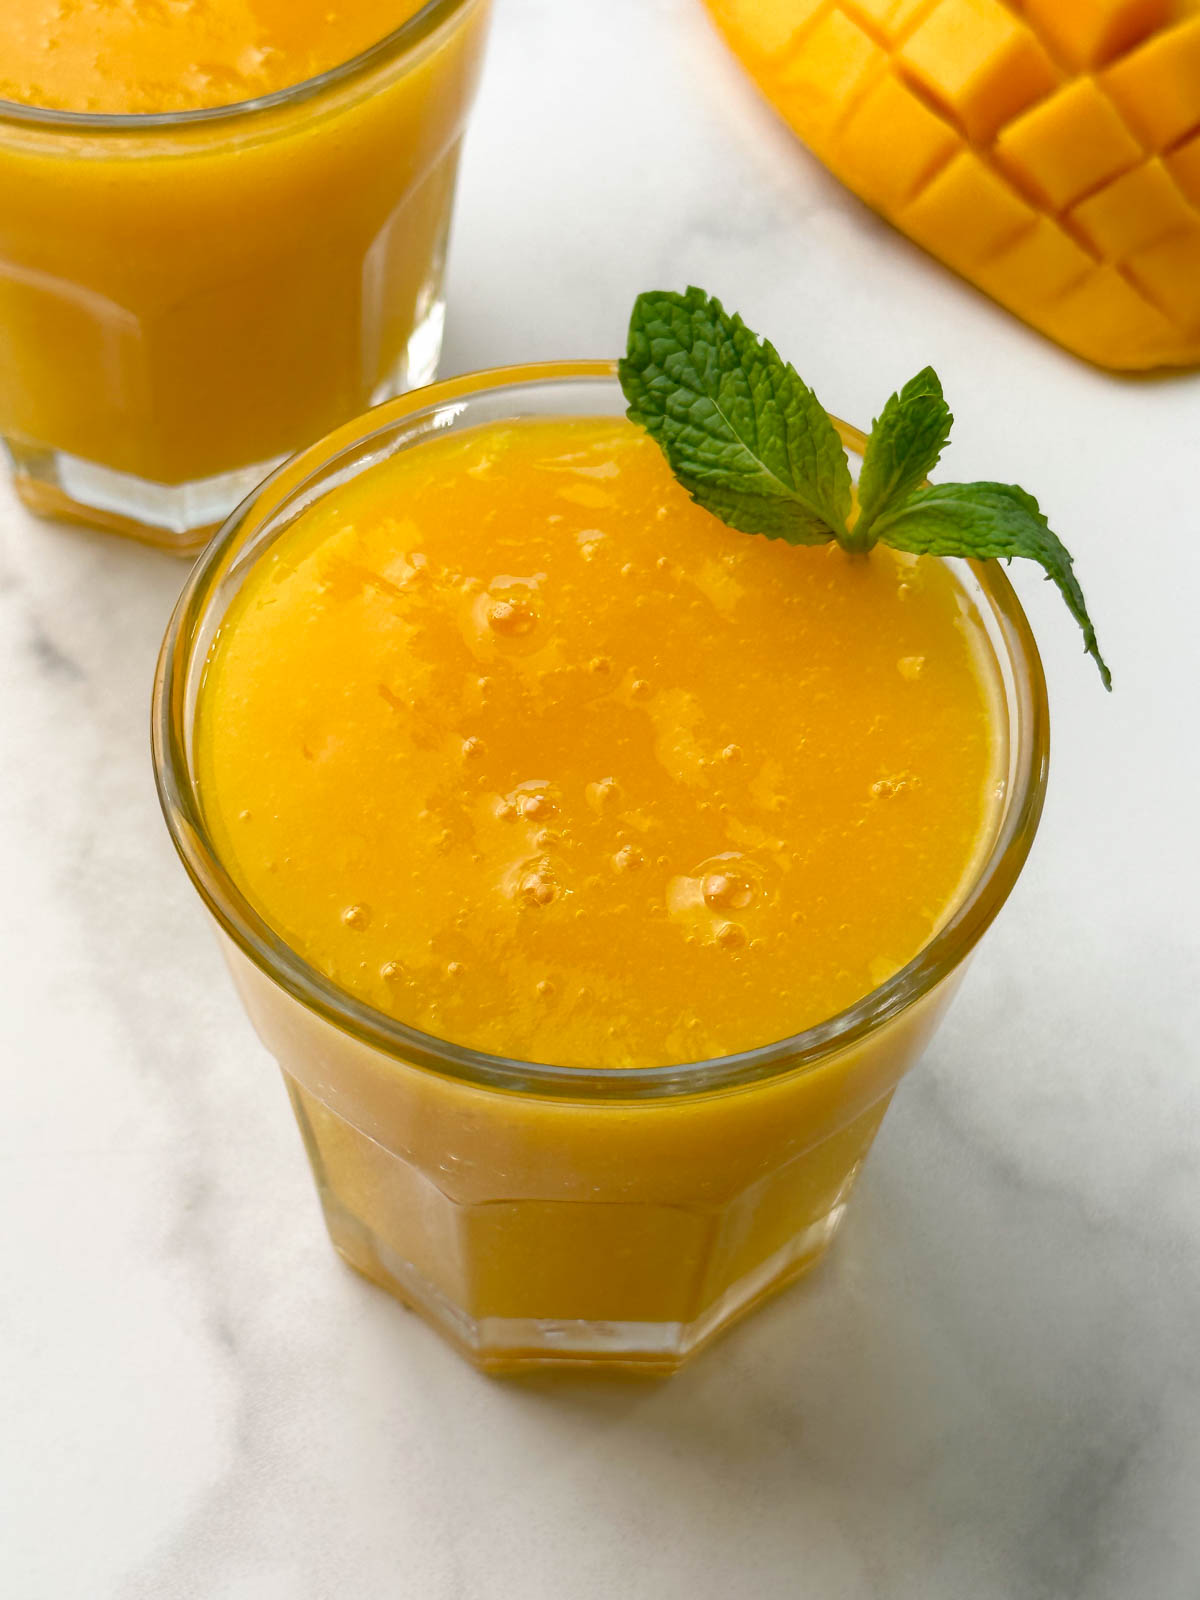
{"x": 506, "y": 613}
{"x": 537, "y": 806}
{"x": 703, "y": 901}
{"x": 533, "y": 883}
{"x": 538, "y": 888}
{"x": 727, "y": 890}
{"x": 511, "y": 618}
{"x": 535, "y": 802}
{"x": 357, "y": 917}
{"x": 602, "y": 794}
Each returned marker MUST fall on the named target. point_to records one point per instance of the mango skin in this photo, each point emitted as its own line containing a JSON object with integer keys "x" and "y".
{"x": 1049, "y": 154}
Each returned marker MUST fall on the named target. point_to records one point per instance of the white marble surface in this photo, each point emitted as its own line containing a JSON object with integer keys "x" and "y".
{"x": 993, "y": 1388}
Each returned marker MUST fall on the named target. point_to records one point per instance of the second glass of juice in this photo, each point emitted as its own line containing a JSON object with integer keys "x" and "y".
{"x": 593, "y": 871}
{"x": 198, "y": 284}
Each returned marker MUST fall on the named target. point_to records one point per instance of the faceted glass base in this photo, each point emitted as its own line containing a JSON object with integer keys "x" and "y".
{"x": 520, "y": 1262}
{"x": 500, "y": 1345}
{"x": 180, "y": 517}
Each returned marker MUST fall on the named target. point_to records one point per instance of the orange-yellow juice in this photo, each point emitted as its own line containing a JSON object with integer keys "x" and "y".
{"x": 178, "y": 55}
{"x": 184, "y": 300}
{"x": 510, "y": 740}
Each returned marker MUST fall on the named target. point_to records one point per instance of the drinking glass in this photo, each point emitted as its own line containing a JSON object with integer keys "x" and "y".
{"x": 539, "y": 1214}
{"x": 187, "y": 298}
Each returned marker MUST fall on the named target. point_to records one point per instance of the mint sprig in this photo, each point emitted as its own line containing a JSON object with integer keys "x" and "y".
{"x": 751, "y": 443}
{"x": 743, "y": 433}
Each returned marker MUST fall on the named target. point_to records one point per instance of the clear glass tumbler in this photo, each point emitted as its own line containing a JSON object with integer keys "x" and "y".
{"x": 187, "y": 298}
{"x": 538, "y": 1214}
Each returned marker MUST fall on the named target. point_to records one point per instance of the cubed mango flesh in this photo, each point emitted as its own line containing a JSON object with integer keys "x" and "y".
{"x": 1089, "y": 33}
{"x": 1169, "y": 272}
{"x": 1068, "y": 145}
{"x": 967, "y": 212}
{"x": 1136, "y": 210}
{"x": 890, "y": 19}
{"x": 764, "y": 27}
{"x": 1048, "y": 150}
{"x": 820, "y": 84}
{"x": 920, "y": 141}
{"x": 1157, "y": 87}
{"x": 979, "y": 61}
{"x": 1042, "y": 263}
{"x": 1106, "y": 310}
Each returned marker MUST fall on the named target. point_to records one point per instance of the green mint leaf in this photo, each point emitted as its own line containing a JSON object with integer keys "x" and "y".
{"x": 745, "y": 436}
{"x": 988, "y": 520}
{"x": 750, "y": 443}
{"x": 907, "y": 439}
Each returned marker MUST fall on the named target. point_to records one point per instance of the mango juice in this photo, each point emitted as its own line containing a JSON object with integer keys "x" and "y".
{"x": 222, "y": 230}
{"x": 594, "y": 871}
{"x": 512, "y": 692}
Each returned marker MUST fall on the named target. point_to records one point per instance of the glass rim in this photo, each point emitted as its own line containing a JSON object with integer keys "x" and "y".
{"x": 1028, "y": 728}
{"x": 410, "y": 33}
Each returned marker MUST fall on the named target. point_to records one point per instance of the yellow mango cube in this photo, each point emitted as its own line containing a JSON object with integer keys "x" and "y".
{"x": 890, "y": 18}
{"x": 979, "y": 61}
{"x": 833, "y": 63}
{"x": 1136, "y": 210}
{"x": 1038, "y": 267}
{"x": 765, "y": 27}
{"x": 891, "y": 118}
{"x": 1068, "y": 144}
{"x": 1088, "y": 33}
{"x": 1169, "y": 272}
{"x": 1158, "y": 87}
{"x": 1106, "y": 319}
{"x": 966, "y": 213}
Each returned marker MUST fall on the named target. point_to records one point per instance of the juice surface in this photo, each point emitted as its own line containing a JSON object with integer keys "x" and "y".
{"x": 178, "y": 55}
{"x": 510, "y": 739}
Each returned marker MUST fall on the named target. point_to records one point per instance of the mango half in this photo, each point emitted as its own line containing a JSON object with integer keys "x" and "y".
{"x": 1047, "y": 150}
